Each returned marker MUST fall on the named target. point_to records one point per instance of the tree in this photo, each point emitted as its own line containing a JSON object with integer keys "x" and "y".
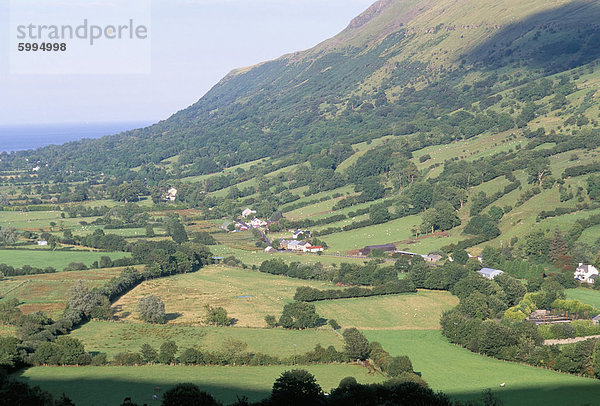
{"x": 69, "y": 350}
{"x": 558, "y": 247}
{"x": 81, "y": 299}
{"x": 538, "y": 169}
{"x": 187, "y": 394}
{"x": 299, "y": 315}
{"x": 296, "y": 387}
{"x": 168, "y": 349}
{"x": 204, "y": 237}
{"x": 8, "y": 235}
{"x": 175, "y": 229}
{"x": 460, "y": 256}
{"x": 593, "y": 187}
{"x": 379, "y": 213}
{"x": 596, "y": 360}
{"x": 536, "y": 246}
{"x": 442, "y": 217}
{"x": 152, "y": 309}
{"x": 496, "y": 213}
{"x": 419, "y": 271}
{"x": 149, "y": 354}
{"x": 8, "y": 351}
{"x": 334, "y": 324}
{"x": 103, "y": 310}
{"x": 216, "y": 316}
{"x": 482, "y": 225}
{"x": 178, "y": 233}
{"x": 399, "y": 365}
{"x": 356, "y": 344}
{"x": 272, "y": 321}
{"x": 513, "y": 288}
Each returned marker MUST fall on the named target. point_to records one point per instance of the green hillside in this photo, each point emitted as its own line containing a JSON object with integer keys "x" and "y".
{"x": 457, "y": 129}
{"x": 425, "y": 107}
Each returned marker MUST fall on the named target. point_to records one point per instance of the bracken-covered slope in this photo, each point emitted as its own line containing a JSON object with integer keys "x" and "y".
{"x": 399, "y": 63}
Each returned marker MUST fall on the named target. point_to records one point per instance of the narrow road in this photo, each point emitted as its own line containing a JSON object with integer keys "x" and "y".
{"x": 257, "y": 229}
{"x": 568, "y": 340}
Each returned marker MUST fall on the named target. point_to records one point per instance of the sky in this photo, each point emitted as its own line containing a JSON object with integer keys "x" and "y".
{"x": 191, "y": 45}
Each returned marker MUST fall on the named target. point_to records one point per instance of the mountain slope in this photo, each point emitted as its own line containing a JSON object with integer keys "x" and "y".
{"x": 397, "y": 63}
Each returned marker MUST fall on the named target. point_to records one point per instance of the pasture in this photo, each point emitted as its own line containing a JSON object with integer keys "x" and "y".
{"x": 97, "y": 386}
{"x": 257, "y": 256}
{"x": 248, "y": 296}
{"x": 47, "y": 292}
{"x": 393, "y": 231}
{"x": 585, "y": 295}
{"x": 39, "y": 220}
{"x": 409, "y": 311}
{"x": 57, "y": 259}
{"x": 464, "y": 375}
{"x": 113, "y": 338}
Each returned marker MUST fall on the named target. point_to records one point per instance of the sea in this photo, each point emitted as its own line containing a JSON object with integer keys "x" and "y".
{"x": 24, "y": 137}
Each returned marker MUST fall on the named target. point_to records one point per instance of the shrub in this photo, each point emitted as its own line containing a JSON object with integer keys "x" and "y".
{"x": 152, "y": 309}
{"x": 216, "y": 316}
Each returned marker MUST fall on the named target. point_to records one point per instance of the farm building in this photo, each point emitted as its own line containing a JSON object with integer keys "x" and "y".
{"x": 270, "y": 249}
{"x": 241, "y": 226}
{"x": 432, "y": 258}
{"x": 586, "y": 273}
{"x": 299, "y": 233}
{"x": 298, "y": 246}
{"x": 42, "y": 242}
{"x": 385, "y": 248}
{"x": 490, "y": 273}
{"x": 314, "y": 248}
{"x": 248, "y": 212}
{"x": 171, "y": 195}
{"x": 256, "y": 222}
{"x": 284, "y": 244}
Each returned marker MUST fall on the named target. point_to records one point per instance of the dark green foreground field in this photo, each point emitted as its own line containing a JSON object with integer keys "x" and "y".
{"x": 456, "y": 371}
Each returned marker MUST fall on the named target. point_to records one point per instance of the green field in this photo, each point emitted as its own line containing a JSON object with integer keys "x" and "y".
{"x": 393, "y": 231}
{"x": 95, "y": 386}
{"x": 464, "y": 375}
{"x": 585, "y": 295}
{"x": 408, "y": 311}
{"x": 37, "y": 220}
{"x": 58, "y": 259}
{"x": 248, "y": 296}
{"x": 590, "y": 235}
{"x": 256, "y": 257}
{"x": 113, "y": 338}
{"x": 47, "y": 292}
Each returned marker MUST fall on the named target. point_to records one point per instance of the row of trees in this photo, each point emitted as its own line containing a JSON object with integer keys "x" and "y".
{"x": 308, "y": 294}
{"x": 370, "y": 274}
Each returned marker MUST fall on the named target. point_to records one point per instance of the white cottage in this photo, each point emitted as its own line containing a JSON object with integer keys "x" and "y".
{"x": 586, "y": 273}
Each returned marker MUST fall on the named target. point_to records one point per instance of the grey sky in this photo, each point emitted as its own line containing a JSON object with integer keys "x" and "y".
{"x": 194, "y": 44}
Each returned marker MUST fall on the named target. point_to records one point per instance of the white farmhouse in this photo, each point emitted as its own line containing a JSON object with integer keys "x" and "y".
{"x": 586, "y": 273}
{"x": 256, "y": 222}
{"x": 248, "y": 212}
{"x": 490, "y": 273}
{"x": 171, "y": 194}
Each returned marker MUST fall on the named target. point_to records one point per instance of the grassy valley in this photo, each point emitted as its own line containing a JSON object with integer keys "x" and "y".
{"x": 379, "y": 172}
